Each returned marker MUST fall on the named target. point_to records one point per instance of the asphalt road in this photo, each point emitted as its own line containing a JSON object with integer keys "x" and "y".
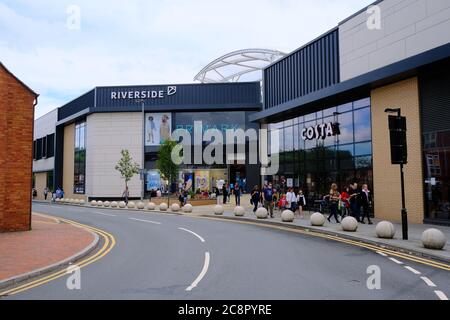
{"x": 155, "y": 259}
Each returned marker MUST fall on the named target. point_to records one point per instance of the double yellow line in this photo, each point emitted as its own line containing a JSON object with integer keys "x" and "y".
{"x": 108, "y": 244}
{"x": 371, "y": 247}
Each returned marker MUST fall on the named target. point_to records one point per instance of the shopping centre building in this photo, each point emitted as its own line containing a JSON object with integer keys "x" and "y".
{"x": 326, "y": 100}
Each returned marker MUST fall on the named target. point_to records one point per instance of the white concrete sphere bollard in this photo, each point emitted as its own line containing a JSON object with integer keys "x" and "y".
{"x": 175, "y": 207}
{"x": 114, "y": 204}
{"x": 261, "y": 213}
{"x": 218, "y": 210}
{"x": 433, "y": 239}
{"x": 349, "y": 224}
{"x": 68, "y": 200}
{"x": 317, "y": 219}
{"x": 385, "y": 230}
{"x": 57, "y": 200}
{"x": 93, "y": 203}
{"x": 163, "y": 206}
{"x": 106, "y": 204}
{"x": 287, "y": 216}
{"x": 151, "y": 206}
{"x": 122, "y": 204}
{"x": 140, "y": 205}
{"x": 239, "y": 211}
{"x": 82, "y": 202}
{"x": 99, "y": 203}
{"x": 131, "y": 205}
{"x": 187, "y": 207}
{"x": 76, "y": 201}
{"x": 72, "y": 201}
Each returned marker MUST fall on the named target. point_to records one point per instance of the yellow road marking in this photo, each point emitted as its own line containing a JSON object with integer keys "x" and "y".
{"x": 314, "y": 233}
{"x": 108, "y": 245}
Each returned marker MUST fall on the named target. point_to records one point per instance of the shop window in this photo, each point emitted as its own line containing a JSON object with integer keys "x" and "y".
{"x": 44, "y": 147}
{"x": 363, "y": 131}
{"x": 289, "y": 139}
{"x": 51, "y": 145}
{"x": 80, "y": 158}
{"x": 362, "y": 149}
{"x": 346, "y": 127}
{"x": 345, "y": 107}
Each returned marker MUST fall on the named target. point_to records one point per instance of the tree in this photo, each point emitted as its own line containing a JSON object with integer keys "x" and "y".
{"x": 127, "y": 167}
{"x": 165, "y": 165}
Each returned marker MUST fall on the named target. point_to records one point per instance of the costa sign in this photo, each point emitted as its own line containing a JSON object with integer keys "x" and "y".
{"x": 321, "y": 131}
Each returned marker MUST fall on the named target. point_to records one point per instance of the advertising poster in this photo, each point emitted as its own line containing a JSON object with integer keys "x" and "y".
{"x": 202, "y": 180}
{"x": 188, "y": 180}
{"x": 153, "y": 180}
{"x": 158, "y": 128}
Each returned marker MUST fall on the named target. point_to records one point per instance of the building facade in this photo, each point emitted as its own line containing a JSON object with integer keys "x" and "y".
{"x": 394, "y": 56}
{"x": 17, "y": 102}
{"x": 91, "y": 131}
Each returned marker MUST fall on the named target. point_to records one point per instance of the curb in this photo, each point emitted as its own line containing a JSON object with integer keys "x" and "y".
{"x": 395, "y": 248}
{"x": 313, "y": 229}
{"x": 66, "y": 262}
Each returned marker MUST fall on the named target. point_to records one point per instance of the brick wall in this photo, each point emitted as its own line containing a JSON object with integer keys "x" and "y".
{"x": 404, "y": 95}
{"x": 16, "y": 141}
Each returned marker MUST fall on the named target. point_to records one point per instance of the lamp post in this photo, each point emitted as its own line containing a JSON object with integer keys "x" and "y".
{"x": 396, "y": 128}
{"x": 142, "y": 175}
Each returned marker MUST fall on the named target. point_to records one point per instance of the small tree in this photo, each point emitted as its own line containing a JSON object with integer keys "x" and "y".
{"x": 165, "y": 165}
{"x": 127, "y": 167}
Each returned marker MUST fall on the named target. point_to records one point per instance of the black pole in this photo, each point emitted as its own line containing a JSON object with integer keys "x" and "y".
{"x": 404, "y": 211}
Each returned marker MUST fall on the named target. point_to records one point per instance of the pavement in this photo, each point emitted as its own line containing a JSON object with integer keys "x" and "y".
{"x": 49, "y": 245}
{"x": 167, "y": 256}
{"x": 365, "y": 232}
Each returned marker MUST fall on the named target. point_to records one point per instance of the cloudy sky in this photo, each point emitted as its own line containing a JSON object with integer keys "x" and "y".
{"x": 147, "y": 42}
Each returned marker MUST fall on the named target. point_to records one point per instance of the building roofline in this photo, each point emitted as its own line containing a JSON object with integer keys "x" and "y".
{"x": 18, "y": 80}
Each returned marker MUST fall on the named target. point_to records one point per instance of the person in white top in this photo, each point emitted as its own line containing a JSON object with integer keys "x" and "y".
{"x": 301, "y": 202}
{"x": 291, "y": 199}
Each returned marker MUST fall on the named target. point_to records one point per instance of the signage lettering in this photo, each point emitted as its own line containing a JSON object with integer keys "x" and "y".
{"x": 321, "y": 131}
{"x": 143, "y": 94}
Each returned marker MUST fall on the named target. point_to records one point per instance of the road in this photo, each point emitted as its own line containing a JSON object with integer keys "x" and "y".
{"x": 164, "y": 256}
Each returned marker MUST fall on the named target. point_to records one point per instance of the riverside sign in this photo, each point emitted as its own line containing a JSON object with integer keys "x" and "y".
{"x": 321, "y": 131}
{"x": 143, "y": 94}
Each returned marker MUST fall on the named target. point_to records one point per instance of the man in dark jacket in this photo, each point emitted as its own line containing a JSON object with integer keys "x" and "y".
{"x": 366, "y": 201}
{"x": 355, "y": 201}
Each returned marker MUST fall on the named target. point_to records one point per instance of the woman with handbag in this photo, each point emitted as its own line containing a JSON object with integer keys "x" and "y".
{"x": 333, "y": 202}
{"x": 301, "y": 202}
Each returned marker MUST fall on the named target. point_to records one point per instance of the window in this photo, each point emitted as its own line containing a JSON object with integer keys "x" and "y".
{"x": 51, "y": 145}
{"x": 44, "y": 147}
{"x": 80, "y": 158}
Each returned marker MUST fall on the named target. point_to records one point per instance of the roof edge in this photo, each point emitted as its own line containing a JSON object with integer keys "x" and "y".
{"x": 18, "y": 80}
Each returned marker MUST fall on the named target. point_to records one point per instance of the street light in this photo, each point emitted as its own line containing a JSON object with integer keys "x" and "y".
{"x": 397, "y": 127}
{"x": 142, "y": 175}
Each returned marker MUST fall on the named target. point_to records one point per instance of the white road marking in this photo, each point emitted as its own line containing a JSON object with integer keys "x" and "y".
{"x": 412, "y": 270}
{"x": 396, "y": 261}
{"x": 202, "y": 273}
{"x": 104, "y": 214}
{"x": 142, "y": 220}
{"x": 192, "y": 232}
{"x": 382, "y": 254}
{"x": 428, "y": 282}
{"x": 441, "y": 295}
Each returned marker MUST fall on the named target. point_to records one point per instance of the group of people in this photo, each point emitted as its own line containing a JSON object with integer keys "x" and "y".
{"x": 229, "y": 189}
{"x": 349, "y": 202}
{"x": 271, "y": 198}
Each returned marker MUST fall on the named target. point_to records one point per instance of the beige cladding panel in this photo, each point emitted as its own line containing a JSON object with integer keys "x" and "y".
{"x": 107, "y": 134}
{"x": 402, "y": 95}
{"x": 40, "y": 184}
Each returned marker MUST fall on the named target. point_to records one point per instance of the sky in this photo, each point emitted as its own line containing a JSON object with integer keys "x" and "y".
{"x": 146, "y": 42}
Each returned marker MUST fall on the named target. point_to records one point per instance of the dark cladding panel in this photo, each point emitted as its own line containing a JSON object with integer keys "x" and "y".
{"x": 83, "y": 102}
{"x": 311, "y": 68}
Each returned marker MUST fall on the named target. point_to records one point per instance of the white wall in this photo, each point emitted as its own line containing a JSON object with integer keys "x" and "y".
{"x": 408, "y": 27}
{"x": 106, "y": 135}
{"x": 43, "y": 126}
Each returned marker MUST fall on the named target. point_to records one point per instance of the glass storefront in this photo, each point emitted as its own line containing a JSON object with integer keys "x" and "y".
{"x": 314, "y": 164}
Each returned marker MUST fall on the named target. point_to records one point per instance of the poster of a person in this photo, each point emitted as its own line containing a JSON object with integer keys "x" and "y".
{"x": 158, "y": 128}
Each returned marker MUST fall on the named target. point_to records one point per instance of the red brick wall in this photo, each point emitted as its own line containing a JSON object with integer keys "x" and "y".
{"x": 16, "y": 141}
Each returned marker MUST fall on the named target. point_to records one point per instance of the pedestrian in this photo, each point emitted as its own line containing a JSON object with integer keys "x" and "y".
{"x": 291, "y": 200}
{"x": 333, "y": 202}
{"x": 225, "y": 193}
{"x": 301, "y": 202}
{"x": 268, "y": 199}
{"x": 126, "y": 194}
{"x": 255, "y": 198}
{"x": 354, "y": 196}
{"x": 237, "y": 193}
{"x": 344, "y": 203}
{"x": 46, "y": 191}
{"x": 366, "y": 201}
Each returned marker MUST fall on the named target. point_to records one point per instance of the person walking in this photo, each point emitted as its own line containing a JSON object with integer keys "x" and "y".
{"x": 354, "y": 200}
{"x": 237, "y": 193}
{"x": 291, "y": 200}
{"x": 46, "y": 191}
{"x": 255, "y": 198}
{"x": 366, "y": 201}
{"x": 345, "y": 204}
{"x": 225, "y": 193}
{"x": 333, "y": 202}
{"x": 125, "y": 195}
{"x": 301, "y": 202}
{"x": 268, "y": 199}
